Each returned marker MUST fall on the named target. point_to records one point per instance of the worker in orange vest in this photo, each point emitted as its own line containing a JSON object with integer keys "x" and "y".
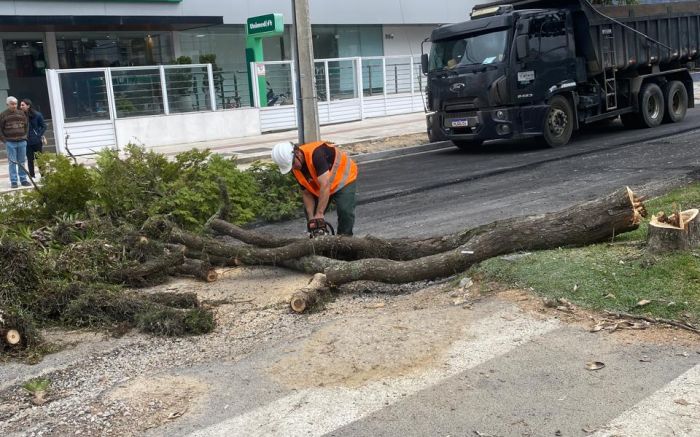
{"x": 325, "y": 174}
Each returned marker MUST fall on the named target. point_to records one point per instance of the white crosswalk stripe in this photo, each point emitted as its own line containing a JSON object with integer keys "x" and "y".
{"x": 672, "y": 411}
{"x": 315, "y": 412}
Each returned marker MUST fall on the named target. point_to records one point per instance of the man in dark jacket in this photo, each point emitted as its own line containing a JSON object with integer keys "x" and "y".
{"x": 14, "y": 127}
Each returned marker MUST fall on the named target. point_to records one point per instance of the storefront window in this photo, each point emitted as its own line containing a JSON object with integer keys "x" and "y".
{"x": 115, "y": 49}
{"x": 227, "y": 44}
{"x": 85, "y": 96}
{"x": 345, "y": 42}
{"x": 22, "y": 69}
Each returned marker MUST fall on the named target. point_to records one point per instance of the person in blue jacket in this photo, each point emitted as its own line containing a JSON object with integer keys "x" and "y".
{"x": 37, "y": 127}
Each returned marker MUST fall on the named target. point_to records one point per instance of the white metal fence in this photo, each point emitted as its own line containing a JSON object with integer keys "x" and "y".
{"x": 347, "y": 89}
{"x": 87, "y": 104}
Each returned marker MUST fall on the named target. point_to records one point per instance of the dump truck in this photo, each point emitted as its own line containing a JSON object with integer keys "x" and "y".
{"x": 545, "y": 68}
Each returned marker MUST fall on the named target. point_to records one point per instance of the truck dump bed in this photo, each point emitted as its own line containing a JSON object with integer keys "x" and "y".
{"x": 673, "y": 31}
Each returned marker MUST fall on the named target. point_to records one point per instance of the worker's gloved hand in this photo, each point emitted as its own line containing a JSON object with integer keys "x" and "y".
{"x": 317, "y": 227}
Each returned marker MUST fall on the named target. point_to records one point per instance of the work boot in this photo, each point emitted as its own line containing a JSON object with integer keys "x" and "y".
{"x": 26, "y": 184}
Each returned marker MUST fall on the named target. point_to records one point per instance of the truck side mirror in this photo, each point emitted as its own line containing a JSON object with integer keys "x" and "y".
{"x": 522, "y": 46}
{"x": 424, "y": 63}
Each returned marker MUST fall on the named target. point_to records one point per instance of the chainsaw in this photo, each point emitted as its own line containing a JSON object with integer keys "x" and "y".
{"x": 319, "y": 228}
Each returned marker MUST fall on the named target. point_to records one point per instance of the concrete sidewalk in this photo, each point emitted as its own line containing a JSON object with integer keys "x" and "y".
{"x": 258, "y": 147}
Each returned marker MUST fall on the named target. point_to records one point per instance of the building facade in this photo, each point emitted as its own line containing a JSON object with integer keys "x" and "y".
{"x": 60, "y": 34}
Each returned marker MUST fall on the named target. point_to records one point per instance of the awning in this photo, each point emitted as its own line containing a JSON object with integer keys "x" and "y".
{"x": 50, "y": 23}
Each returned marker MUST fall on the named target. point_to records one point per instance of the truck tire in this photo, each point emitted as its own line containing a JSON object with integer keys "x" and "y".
{"x": 676, "y": 98}
{"x": 559, "y": 122}
{"x": 651, "y": 106}
{"x": 468, "y": 146}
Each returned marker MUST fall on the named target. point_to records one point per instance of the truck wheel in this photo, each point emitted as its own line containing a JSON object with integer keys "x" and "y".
{"x": 469, "y": 146}
{"x": 559, "y": 122}
{"x": 651, "y": 105}
{"x": 676, "y": 98}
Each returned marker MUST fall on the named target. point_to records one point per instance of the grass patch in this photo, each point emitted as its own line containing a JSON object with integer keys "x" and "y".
{"x": 613, "y": 277}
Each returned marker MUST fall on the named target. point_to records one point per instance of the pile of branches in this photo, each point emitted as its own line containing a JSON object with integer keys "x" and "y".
{"x": 87, "y": 274}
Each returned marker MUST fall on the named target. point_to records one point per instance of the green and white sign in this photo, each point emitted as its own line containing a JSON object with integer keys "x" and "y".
{"x": 265, "y": 25}
{"x": 258, "y": 28}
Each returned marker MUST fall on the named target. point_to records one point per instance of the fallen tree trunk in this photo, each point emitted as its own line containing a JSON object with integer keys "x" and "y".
{"x": 590, "y": 222}
{"x": 277, "y": 249}
{"x": 586, "y": 223}
{"x": 680, "y": 231}
{"x": 138, "y": 275}
{"x": 308, "y": 296}
{"x": 199, "y": 269}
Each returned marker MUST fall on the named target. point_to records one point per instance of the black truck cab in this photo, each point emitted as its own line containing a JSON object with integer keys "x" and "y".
{"x": 488, "y": 78}
{"x": 517, "y": 72}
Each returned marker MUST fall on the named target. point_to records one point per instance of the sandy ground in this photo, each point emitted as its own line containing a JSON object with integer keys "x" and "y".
{"x": 389, "y": 143}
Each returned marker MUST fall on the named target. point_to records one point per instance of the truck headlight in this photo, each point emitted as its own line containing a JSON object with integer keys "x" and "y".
{"x": 500, "y": 115}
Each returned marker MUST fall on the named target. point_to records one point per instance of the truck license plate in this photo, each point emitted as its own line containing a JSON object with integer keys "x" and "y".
{"x": 461, "y": 122}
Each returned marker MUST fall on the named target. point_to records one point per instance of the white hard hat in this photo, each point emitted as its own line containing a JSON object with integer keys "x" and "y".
{"x": 283, "y": 156}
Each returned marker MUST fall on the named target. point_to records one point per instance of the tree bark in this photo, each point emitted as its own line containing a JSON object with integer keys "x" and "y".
{"x": 137, "y": 275}
{"x": 586, "y": 223}
{"x": 308, "y": 296}
{"x": 679, "y": 232}
{"x": 267, "y": 249}
{"x": 199, "y": 269}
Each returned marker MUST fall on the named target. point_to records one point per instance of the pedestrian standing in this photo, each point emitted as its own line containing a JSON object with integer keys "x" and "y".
{"x": 35, "y": 137}
{"x": 14, "y": 128}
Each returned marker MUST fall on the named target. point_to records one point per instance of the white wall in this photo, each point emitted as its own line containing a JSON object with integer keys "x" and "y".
{"x": 406, "y": 39}
{"x": 188, "y": 128}
{"x": 237, "y": 11}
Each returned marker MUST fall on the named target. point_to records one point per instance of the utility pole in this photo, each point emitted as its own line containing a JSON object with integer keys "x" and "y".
{"x": 304, "y": 62}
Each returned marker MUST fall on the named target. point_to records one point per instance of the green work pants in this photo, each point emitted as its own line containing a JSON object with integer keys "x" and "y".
{"x": 345, "y": 208}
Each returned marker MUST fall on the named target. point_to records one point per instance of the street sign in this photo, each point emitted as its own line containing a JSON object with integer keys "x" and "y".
{"x": 265, "y": 25}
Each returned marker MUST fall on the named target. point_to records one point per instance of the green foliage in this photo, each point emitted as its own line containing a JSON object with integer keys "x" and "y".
{"x": 173, "y": 322}
{"x": 210, "y": 58}
{"x": 37, "y": 385}
{"x": 125, "y": 187}
{"x": 180, "y": 81}
{"x": 66, "y": 186}
{"x": 279, "y": 195}
{"x": 19, "y": 272}
{"x": 124, "y": 105}
{"x": 194, "y": 196}
{"x": 64, "y": 246}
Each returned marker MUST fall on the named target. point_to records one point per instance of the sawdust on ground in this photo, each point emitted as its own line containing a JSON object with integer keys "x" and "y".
{"x": 351, "y": 352}
{"x": 390, "y": 143}
{"x": 159, "y": 399}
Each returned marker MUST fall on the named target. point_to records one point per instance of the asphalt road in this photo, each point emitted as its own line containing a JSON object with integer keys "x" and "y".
{"x": 445, "y": 190}
{"x": 513, "y": 374}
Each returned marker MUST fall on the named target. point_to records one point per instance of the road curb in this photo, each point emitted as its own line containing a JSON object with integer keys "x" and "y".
{"x": 366, "y": 157}
{"x": 385, "y": 154}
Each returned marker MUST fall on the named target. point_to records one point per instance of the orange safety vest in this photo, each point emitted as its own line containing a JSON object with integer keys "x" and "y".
{"x": 343, "y": 172}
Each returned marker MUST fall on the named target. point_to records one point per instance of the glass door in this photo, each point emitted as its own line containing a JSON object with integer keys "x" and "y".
{"x": 23, "y": 70}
